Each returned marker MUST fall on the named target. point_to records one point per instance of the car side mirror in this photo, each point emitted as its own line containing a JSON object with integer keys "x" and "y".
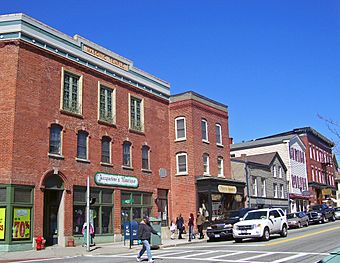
{"x": 241, "y": 219}
{"x": 271, "y": 217}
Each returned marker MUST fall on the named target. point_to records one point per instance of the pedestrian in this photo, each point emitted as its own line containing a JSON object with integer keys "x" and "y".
{"x": 84, "y": 232}
{"x": 144, "y": 235}
{"x": 180, "y": 225}
{"x": 173, "y": 228}
{"x": 191, "y": 227}
{"x": 199, "y": 222}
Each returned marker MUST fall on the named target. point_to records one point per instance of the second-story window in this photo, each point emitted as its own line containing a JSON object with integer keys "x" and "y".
{"x": 106, "y": 149}
{"x": 82, "y": 145}
{"x": 71, "y": 93}
{"x": 220, "y": 166}
{"x": 145, "y": 157}
{"x": 106, "y": 104}
{"x": 181, "y": 163}
{"x": 275, "y": 191}
{"x": 180, "y": 128}
{"x": 204, "y": 129}
{"x": 254, "y": 186}
{"x": 282, "y": 193}
{"x": 206, "y": 164}
{"x": 136, "y": 114}
{"x": 55, "y": 139}
{"x": 263, "y": 187}
{"x": 218, "y": 134}
{"x": 127, "y": 154}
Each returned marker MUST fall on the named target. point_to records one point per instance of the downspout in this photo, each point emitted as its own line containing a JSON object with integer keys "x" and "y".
{"x": 247, "y": 181}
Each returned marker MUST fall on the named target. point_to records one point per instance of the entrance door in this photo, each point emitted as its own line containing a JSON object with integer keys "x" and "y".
{"x": 52, "y": 200}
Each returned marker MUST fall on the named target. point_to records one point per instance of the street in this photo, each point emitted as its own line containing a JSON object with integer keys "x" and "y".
{"x": 305, "y": 245}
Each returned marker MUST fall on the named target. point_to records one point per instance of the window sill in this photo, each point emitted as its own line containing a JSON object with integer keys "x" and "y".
{"x": 205, "y": 141}
{"x": 106, "y": 164}
{"x": 206, "y": 174}
{"x": 82, "y": 160}
{"x": 181, "y": 174}
{"x": 220, "y": 176}
{"x": 137, "y": 131}
{"x": 56, "y": 156}
{"x": 107, "y": 123}
{"x": 73, "y": 114}
{"x": 219, "y": 145}
{"x": 146, "y": 171}
{"x": 181, "y": 140}
{"x": 127, "y": 167}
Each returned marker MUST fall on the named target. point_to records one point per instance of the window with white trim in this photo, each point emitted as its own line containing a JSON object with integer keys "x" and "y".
{"x": 263, "y": 187}
{"x": 275, "y": 191}
{"x": 206, "y": 164}
{"x": 280, "y": 172}
{"x": 204, "y": 129}
{"x": 282, "y": 193}
{"x": 254, "y": 188}
{"x": 181, "y": 163}
{"x": 274, "y": 171}
{"x": 218, "y": 134}
{"x": 71, "y": 92}
{"x": 180, "y": 128}
{"x": 145, "y": 157}
{"x": 106, "y": 104}
{"x": 220, "y": 169}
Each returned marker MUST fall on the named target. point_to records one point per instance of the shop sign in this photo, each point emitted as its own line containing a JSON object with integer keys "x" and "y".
{"x": 21, "y": 223}
{"x": 227, "y": 189}
{"x": 116, "y": 180}
{"x": 106, "y": 58}
{"x": 2, "y": 223}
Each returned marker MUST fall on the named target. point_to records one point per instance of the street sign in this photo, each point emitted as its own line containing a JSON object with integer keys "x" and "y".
{"x": 128, "y": 201}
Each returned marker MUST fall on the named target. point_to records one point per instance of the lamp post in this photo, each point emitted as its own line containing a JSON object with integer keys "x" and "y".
{"x": 88, "y": 215}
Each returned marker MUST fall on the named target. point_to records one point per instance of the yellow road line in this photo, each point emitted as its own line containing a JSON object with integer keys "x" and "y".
{"x": 303, "y": 236}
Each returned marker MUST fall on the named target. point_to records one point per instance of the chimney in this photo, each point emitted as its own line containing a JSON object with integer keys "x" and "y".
{"x": 231, "y": 140}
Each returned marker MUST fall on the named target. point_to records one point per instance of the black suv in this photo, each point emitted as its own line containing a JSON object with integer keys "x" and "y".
{"x": 321, "y": 214}
{"x": 223, "y": 228}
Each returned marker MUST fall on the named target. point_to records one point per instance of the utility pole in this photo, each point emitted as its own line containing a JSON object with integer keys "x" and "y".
{"x": 88, "y": 215}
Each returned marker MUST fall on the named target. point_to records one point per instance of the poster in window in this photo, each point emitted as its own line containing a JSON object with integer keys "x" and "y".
{"x": 2, "y": 223}
{"x": 21, "y": 223}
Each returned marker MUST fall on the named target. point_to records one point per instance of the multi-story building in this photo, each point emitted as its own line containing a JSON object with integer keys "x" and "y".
{"x": 72, "y": 110}
{"x": 292, "y": 151}
{"x": 265, "y": 177}
{"x": 199, "y": 138}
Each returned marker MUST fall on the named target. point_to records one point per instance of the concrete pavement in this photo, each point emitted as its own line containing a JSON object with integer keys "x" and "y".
{"x": 100, "y": 249}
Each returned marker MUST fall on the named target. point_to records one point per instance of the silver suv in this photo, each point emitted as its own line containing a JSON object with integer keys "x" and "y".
{"x": 261, "y": 224}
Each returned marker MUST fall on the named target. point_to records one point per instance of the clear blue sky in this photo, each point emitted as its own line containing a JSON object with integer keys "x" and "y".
{"x": 276, "y": 64}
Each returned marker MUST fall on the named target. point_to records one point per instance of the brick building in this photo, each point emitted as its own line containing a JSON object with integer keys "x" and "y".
{"x": 70, "y": 110}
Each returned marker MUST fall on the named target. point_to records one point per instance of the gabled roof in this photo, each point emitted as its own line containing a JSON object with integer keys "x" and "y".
{"x": 264, "y": 159}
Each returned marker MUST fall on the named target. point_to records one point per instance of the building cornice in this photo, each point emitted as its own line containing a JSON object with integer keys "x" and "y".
{"x": 81, "y": 51}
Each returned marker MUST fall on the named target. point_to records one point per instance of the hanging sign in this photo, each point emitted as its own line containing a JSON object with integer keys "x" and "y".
{"x": 21, "y": 223}
{"x": 2, "y": 223}
{"x": 116, "y": 180}
{"x": 228, "y": 189}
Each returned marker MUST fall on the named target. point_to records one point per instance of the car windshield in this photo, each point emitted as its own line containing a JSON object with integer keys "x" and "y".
{"x": 316, "y": 207}
{"x": 256, "y": 215}
{"x": 234, "y": 214}
{"x": 289, "y": 216}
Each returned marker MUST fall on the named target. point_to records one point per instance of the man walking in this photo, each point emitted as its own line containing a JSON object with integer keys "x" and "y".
{"x": 180, "y": 225}
{"x": 144, "y": 235}
{"x": 199, "y": 222}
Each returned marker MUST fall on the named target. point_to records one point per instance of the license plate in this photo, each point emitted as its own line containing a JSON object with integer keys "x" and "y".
{"x": 217, "y": 235}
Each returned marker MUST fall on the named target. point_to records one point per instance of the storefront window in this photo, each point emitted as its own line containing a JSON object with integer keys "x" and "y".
{"x": 162, "y": 204}
{"x": 100, "y": 212}
{"x": 135, "y": 206}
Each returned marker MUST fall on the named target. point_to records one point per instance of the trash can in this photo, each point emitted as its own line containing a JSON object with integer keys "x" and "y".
{"x": 156, "y": 240}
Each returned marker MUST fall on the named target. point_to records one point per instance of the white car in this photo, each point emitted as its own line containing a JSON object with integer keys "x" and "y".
{"x": 337, "y": 212}
{"x": 261, "y": 224}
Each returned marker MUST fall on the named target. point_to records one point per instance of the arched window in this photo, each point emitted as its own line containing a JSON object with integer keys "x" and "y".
{"x": 145, "y": 157}
{"x": 180, "y": 128}
{"x": 127, "y": 154}
{"x": 181, "y": 163}
{"x": 106, "y": 149}
{"x": 206, "y": 164}
{"x": 82, "y": 152}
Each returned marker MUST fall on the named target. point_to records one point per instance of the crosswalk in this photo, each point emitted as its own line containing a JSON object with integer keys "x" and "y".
{"x": 232, "y": 256}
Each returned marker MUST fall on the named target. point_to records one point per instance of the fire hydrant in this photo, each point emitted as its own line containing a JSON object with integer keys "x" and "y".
{"x": 40, "y": 242}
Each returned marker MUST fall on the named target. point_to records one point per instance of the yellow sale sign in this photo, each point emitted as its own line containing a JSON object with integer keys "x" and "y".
{"x": 21, "y": 223}
{"x": 2, "y": 223}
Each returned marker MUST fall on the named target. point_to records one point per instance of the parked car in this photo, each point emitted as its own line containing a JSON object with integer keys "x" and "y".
{"x": 297, "y": 220}
{"x": 321, "y": 214}
{"x": 261, "y": 224}
{"x": 223, "y": 228}
{"x": 337, "y": 212}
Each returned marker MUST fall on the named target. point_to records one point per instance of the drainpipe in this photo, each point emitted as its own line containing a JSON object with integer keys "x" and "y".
{"x": 247, "y": 181}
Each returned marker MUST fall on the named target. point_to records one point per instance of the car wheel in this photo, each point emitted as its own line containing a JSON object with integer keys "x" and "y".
{"x": 284, "y": 231}
{"x": 238, "y": 240}
{"x": 333, "y": 218}
{"x": 307, "y": 223}
{"x": 299, "y": 225}
{"x": 323, "y": 219}
{"x": 266, "y": 234}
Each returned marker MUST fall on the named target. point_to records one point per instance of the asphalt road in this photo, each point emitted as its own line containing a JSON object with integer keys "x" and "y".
{"x": 305, "y": 245}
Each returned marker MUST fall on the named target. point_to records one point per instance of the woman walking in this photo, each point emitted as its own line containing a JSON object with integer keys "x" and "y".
{"x": 191, "y": 227}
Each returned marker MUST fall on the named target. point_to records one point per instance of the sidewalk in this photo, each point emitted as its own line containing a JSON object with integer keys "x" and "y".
{"x": 100, "y": 249}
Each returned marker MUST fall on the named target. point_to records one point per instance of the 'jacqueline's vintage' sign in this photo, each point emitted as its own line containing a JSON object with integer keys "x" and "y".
{"x": 116, "y": 180}
{"x": 105, "y": 58}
